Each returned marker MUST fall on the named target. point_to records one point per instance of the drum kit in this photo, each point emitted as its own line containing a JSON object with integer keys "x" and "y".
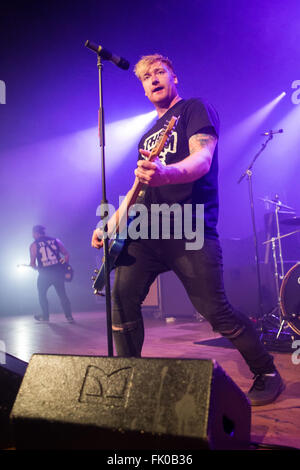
{"x": 286, "y": 314}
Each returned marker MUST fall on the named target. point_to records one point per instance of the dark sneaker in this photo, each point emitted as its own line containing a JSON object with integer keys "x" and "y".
{"x": 41, "y": 319}
{"x": 70, "y": 319}
{"x": 265, "y": 389}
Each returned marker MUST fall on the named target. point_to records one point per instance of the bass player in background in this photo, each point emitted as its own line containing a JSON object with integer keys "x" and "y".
{"x": 47, "y": 255}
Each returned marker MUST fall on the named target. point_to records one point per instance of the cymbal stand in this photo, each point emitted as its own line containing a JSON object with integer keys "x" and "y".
{"x": 249, "y": 173}
{"x": 277, "y": 209}
{"x": 277, "y": 287}
{"x": 279, "y": 276}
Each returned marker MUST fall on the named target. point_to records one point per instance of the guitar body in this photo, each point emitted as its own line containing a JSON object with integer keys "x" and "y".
{"x": 68, "y": 272}
{"x": 67, "y": 269}
{"x": 115, "y": 250}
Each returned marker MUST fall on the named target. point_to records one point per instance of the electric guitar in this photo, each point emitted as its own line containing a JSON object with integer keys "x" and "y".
{"x": 117, "y": 240}
{"x": 68, "y": 270}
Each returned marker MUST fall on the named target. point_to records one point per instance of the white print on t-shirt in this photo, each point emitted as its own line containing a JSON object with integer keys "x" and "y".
{"x": 170, "y": 147}
{"x": 48, "y": 258}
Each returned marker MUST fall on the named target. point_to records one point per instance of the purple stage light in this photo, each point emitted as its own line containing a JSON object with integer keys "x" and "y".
{"x": 285, "y": 149}
{"x": 244, "y": 130}
{"x": 81, "y": 149}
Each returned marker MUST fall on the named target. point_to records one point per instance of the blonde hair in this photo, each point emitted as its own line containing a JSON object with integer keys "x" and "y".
{"x": 145, "y": 61}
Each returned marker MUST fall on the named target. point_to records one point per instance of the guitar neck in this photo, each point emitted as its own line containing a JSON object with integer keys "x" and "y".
{"x": 136, "y": 191}
{"x": 138, "y": 188}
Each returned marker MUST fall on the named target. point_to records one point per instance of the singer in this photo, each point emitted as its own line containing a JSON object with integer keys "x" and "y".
{"x": 186, "y": 172}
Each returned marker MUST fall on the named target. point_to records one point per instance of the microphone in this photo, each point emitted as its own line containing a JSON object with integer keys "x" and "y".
{"x": 273, "y": 132}
{"x": 107, "y": 55}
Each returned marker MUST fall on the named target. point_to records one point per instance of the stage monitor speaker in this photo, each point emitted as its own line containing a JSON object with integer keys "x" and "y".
{"x": 86, "y": 402}
{"x": 12, "y": 371}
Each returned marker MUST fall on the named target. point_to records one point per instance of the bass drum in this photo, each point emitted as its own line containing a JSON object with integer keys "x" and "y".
{"x": 290, "y": 298}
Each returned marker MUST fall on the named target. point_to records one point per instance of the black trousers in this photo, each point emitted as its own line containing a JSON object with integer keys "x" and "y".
{"x": 201, "y": 273}
{"x": 52, "y": 276}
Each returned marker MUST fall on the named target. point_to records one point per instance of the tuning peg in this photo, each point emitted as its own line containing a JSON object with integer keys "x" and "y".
{"x": 93, "y": 278}
{"x": 96, "y": 271}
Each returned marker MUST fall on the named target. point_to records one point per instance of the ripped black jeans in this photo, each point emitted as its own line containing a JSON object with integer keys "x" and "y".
{"x": 201, "y": 272}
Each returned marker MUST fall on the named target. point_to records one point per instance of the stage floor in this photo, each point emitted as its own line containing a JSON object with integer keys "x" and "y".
{"x": 277, "y": 423}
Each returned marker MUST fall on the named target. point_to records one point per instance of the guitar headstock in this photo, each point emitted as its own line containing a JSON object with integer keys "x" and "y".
{"x": 164, "y": 138}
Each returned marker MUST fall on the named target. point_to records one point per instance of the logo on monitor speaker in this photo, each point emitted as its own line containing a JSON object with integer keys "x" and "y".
{"x": 108, "y": 389}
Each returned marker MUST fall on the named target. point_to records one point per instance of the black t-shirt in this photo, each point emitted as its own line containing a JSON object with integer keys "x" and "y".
{"x": 47, "y": 252}
{"x": 194, "y": 116}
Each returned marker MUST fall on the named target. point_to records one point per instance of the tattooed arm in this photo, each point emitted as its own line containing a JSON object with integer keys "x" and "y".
{"x": 191, "y": 168}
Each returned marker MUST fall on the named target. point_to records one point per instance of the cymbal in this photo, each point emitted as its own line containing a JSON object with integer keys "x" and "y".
{"x": 282, "y": 236}
{"x": 291, "y": 221}
{"x": 276, "y": 203}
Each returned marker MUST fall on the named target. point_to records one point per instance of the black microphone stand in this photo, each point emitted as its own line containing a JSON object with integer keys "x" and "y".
{"x": 249, "y": 173}
{"x": 104, "y": 201}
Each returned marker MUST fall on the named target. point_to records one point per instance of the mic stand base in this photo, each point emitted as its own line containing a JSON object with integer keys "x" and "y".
{"x": 249, "y": 174}
{"x": 257, "y": 258}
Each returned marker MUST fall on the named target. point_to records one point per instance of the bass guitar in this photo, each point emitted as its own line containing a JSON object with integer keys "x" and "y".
{"x": 67, "y": 269}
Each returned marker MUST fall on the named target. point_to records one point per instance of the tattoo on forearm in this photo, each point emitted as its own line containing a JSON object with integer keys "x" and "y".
{"x": 199, "y": 141}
